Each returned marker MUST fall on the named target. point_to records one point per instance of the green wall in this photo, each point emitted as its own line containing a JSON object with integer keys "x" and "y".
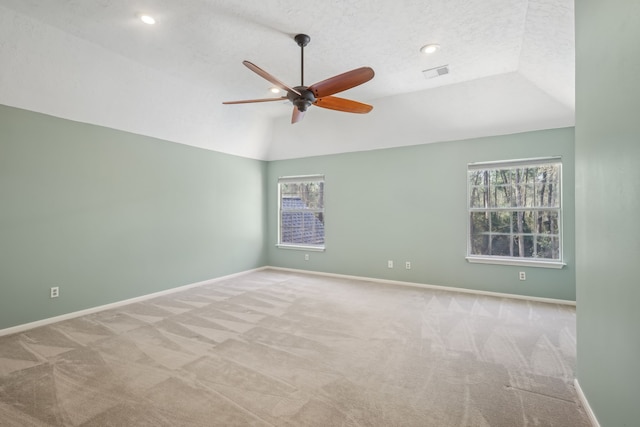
{"x": 409, "y": 204}
{"x": 608, "y": 207}
{"x": 109, "y": 215}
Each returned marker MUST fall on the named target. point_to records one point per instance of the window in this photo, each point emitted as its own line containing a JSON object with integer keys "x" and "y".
{"x": 301, "y": 212}
{"x": 515, "y": 212}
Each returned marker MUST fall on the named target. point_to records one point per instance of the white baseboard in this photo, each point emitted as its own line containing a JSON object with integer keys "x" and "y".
{"x": 67, "y": 316}
{"x": 426, "y": 286}
{"x": 585, "y": 404}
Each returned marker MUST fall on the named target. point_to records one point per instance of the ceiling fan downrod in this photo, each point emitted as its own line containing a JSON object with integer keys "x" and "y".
{"x": 302, "y": 40}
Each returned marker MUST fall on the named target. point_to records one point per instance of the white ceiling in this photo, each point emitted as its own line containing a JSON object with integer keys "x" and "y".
{"x": 511, "y": 63}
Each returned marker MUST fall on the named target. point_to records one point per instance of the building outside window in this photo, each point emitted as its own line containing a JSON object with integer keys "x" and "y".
{"x": 301, "y": 215}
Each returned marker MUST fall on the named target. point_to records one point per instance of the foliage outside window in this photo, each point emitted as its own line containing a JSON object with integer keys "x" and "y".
{"x": 515, "y": 212}
{"x": 301, "y": 212}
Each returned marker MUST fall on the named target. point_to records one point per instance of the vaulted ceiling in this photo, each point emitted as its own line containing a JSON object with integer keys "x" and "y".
{"x": 511, "y": 69}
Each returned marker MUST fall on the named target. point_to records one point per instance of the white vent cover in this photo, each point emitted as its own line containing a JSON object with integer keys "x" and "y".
{"x": 436, "y": 72}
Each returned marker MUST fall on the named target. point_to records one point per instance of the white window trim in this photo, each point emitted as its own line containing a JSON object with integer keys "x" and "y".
{"x": 522, "y": 262}
{"x": 309, "y": 248}
{"x": 290, "y": 246}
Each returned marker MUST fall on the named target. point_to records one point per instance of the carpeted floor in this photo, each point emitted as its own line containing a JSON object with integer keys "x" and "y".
{"x": 286, "y": 349}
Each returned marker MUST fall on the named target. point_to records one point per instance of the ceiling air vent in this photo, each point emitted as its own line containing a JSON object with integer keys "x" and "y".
{"x": 436, "y": 72}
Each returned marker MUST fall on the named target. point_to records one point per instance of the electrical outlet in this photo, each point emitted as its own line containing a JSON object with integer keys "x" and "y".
{"x": 390, "y": 264}
{"x": 55, "y": 292}
{"x": 407, "y": 265}
{"x": 522, "y": 275}
{"x": 306, "y": 257}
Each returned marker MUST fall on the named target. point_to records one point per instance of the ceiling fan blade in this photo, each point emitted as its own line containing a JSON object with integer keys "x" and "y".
{"x": 342, "y": 82}
{"x": 297, "y": 115}
{"x": 262, "y": 73}
{"x": 249, "y": 101}
{"x": 342, "y": 104}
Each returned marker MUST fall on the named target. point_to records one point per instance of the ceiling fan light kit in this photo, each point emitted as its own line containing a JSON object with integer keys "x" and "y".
{"x": 319, "y": 94}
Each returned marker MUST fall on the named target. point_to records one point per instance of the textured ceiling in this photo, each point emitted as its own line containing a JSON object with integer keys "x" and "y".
{"x": 511, "y": 68}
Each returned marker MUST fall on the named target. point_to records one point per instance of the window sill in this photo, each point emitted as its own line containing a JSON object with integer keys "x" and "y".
{"x": 301, "y": 247}
{"x": 516, "y": 261}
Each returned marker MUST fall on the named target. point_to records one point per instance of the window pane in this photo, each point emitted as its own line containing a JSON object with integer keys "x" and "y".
{"x": 290, "y": 224}
{"x": 479, "y": 225}
{"x": 302, "y": 228}
{"x": 529, "y": 246}
{"x": 524, "y": 195}
{"x": 501, "y": 222}
{"x": 523, "y": 187}
{"x": 523, "y": 246}
{"x": 547, "y": 222}
{"x": 316, "y": 229}
{"x": 480, "y": 244}
{"x": 523, "y": 221}
{"x": 479, "y": 197}
{"x": 305, "y": 195}
{"x": 478, "y": 177}
{"x": 548, "y": 173}
{"x": 518, "y": 245}
{"x": 500, "y": 176}
{"x": 547, "y": 247}
{"x": 479, "y": 222}
{"x": 500, "y": 245}
{"x": 500, "y": 196}
{"x": 547, "y": 186}
{"x": 547, "y": 195}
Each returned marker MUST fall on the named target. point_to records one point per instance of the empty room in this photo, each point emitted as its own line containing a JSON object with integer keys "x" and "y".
{"x": 297, "y": 213}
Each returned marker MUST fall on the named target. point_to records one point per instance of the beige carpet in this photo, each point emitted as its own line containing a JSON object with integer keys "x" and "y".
{"x": 285, "y": 349}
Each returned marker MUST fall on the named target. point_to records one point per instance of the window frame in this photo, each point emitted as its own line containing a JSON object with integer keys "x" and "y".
{"x": 509, "y": 260}
{"x": 299, "y": 179}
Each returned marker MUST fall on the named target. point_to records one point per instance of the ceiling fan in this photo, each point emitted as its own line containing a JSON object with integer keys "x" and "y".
{"x": 320, "y": 93}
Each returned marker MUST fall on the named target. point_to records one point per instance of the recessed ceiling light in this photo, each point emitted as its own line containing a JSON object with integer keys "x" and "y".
{"x": 275, "y": 90}
{"x": 147, "y": 19}
{"x": 429, "y": 48}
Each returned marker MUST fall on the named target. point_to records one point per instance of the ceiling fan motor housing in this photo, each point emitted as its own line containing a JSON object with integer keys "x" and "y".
{"x": 302, "y": 101}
